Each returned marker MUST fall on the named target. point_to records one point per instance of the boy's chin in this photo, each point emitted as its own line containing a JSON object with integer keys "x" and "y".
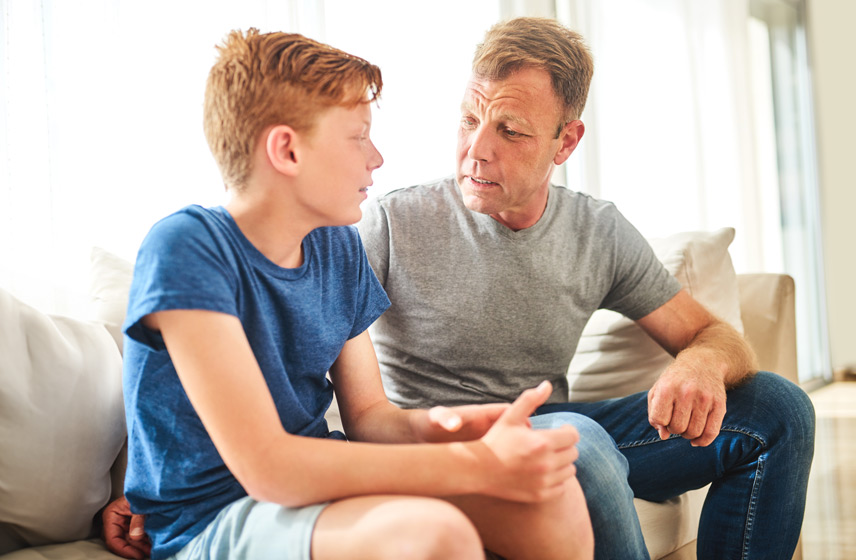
{"x": 348, "y": 219}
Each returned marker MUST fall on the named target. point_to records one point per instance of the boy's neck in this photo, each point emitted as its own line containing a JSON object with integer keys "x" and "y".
{"x": 271, "y": 230}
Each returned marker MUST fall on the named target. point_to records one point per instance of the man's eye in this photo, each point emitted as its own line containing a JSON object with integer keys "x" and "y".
{"x": 468, "y": 122}
{"x": 512, "y": 133}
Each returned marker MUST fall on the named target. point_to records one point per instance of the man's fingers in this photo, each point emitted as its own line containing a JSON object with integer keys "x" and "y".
{"x": 660, "y": 413}
{"x": 712, "y": 427}
{"x": 526, "y": 404}
{"x": 682, "y": 412}
{"x": 697, "y": 423}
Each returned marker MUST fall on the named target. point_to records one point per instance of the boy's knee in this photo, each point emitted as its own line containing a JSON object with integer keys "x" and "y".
{"x": 433, "y": 529}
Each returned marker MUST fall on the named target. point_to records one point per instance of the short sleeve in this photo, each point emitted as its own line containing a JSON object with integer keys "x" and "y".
{"x": 641, "y": 283}
{"x": 179, "y": 266}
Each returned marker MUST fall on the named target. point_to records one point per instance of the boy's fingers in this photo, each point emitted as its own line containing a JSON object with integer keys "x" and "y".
{"x": 137, "y": 530}
{"x": 445, "y": 418}
{"x": 528, "y": 401}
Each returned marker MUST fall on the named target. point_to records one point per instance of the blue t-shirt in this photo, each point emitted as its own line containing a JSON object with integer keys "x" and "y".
{"x": 297, "y": 321}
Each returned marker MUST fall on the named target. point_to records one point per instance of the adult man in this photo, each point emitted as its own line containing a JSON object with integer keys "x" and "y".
{"x": 493, "y": 274}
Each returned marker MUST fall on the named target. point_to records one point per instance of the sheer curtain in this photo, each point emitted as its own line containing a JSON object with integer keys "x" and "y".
{"x": 675, "y": 127}
{"x": 699, "y": 117}
{"x": 101, "y": 135}
{"x": 101, "y": 120}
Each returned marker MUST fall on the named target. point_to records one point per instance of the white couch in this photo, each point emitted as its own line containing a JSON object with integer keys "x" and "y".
{"x": 61, "y": 413}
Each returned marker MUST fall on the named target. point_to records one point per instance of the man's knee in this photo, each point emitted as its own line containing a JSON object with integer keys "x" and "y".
{"x": 782, "y": 407}
{"x": 600, "y": 466}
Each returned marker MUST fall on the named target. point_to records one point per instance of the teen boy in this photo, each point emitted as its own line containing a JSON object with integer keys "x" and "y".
{"x": 236, "y": 315}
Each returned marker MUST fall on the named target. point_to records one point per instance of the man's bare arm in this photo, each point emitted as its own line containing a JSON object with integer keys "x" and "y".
{"x": 710, "y": 358}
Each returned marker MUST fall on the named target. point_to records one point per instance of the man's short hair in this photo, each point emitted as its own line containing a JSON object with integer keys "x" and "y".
{"x": 542, "y": 43}
{"x": 267, "y": 79}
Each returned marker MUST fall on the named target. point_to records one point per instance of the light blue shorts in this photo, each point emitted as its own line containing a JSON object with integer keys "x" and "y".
{"x": 250, "y": 530}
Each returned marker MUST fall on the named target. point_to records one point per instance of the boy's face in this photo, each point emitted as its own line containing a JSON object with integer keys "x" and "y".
{"x": 339, "y": 161}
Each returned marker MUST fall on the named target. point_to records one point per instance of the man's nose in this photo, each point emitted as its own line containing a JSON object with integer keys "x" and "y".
{"x": 481, "y": 144}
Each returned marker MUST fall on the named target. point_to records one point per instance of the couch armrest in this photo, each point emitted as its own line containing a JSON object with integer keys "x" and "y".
{"x": 767, "y": 308}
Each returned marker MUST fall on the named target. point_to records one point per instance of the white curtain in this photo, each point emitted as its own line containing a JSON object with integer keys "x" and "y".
{"x": 101, "y": 121}
{"x": 679, "y": 128}
{"x": 100, "y": 115}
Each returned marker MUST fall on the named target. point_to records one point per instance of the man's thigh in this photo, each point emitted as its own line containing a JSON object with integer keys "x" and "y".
{"x": 625, "y": 419}
{"x": 661, "y": 469}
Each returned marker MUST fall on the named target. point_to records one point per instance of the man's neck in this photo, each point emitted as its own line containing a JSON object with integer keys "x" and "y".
{"x": 519, "y": 220}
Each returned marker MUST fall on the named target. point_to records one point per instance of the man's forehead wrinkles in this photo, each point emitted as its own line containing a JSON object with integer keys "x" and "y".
{"x": 491, "y": 110}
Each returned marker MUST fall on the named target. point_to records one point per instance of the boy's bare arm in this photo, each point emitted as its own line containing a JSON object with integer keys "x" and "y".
{"x": 367, "y": 414}
{"x": 225, "y": 385}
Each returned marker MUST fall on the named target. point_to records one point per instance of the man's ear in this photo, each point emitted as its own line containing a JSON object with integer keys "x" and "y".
{"x": 282, "y": 146}
{"x": 570, "y": 138}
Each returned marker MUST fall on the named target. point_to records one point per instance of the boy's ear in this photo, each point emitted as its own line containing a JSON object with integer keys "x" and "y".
{"x": 282, "y": 146}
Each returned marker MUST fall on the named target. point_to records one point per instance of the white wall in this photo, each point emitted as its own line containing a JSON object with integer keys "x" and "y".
{"x": 832, "y": 44}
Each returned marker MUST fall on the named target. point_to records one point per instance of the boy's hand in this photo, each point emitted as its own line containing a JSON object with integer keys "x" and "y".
{"x": 459, "y": 423}
{"x": 123, "y": 531}
{"x": 527, "y": 465}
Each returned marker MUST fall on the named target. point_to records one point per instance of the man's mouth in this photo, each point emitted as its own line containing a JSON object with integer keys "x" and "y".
{"x": 479, "y": 181}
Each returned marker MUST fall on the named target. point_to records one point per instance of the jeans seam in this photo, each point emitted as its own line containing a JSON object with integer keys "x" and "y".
{"x": 656, "y": 439}
{"x": 753, "y": 500}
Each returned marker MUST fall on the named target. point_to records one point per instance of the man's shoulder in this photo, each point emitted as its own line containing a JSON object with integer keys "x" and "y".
{"x": 440, "y": 191}
{"x": 585, "y": 200}
{"x": 582, "y": 209}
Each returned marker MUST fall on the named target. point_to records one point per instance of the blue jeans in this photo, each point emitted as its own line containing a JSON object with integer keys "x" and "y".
{"x": 758, "y": 468}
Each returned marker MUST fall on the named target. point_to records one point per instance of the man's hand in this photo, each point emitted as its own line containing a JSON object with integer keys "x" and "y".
{"x": 459, "y": 423}
{"x": 123, "y": 531}
{"x": 689, "y": 401}
{"x": 523, "y": 464}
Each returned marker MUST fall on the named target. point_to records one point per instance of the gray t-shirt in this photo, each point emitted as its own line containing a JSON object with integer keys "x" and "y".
{"x": 480, "y": 312}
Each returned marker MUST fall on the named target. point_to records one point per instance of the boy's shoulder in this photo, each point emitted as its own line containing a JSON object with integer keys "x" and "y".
{"x": 336, "y": 240}
{"x": 188, "y": 218}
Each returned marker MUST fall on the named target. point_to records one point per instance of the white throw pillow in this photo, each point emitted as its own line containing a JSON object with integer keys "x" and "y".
{"x": 61, "y": 424}
{"x": 109, "y": 287}
{"x": 615, "y": 357}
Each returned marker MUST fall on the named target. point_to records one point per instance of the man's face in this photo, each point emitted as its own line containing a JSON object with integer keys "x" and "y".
{"x": 507, "y": 146}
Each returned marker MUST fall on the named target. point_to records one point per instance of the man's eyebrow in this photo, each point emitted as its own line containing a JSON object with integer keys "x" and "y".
{"x": 511, "y": 118}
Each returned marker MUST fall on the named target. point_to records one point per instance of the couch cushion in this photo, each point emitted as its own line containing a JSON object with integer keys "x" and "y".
{"x": 615, "y": 357}
{"x": 61, "y": 424}
{"x": 79, "y": 550}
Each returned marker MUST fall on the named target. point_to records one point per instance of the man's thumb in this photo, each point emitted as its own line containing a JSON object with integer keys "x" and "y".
{"x": 528, "y": 401}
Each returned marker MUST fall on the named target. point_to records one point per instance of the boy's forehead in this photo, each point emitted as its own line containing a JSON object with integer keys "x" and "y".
{"x": 356, "y": 114}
